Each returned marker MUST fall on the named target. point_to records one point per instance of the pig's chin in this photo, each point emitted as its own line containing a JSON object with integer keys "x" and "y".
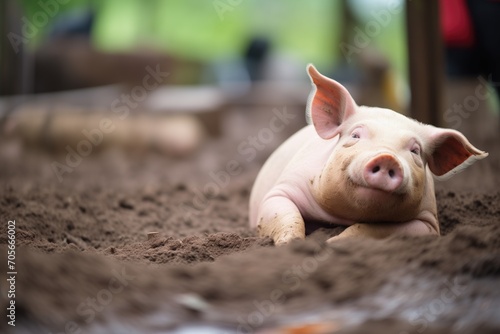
{"x": 346, "y": 199}
{"x": 373, "y": 204}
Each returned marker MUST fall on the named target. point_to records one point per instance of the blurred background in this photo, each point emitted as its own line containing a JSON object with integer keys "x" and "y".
{"x": 218, "y": 35}
{"x": 123, "y": 117}
{"x": 173, "y": 70}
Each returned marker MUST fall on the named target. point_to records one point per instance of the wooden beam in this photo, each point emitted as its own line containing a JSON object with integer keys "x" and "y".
{"x": 425, "y": 51}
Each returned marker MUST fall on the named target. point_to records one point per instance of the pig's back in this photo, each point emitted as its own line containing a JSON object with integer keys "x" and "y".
{"x": 274, "y": 166}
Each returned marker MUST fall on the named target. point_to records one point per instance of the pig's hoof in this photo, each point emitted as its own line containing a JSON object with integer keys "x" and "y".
{"x": 336, "y": 238}
{"x": 286, "y": 240}
{"x": 332, "y": 239}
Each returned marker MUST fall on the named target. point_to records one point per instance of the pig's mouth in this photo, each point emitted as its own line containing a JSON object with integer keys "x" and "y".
{"x": 367, "y": 191}
{"x": 371, "y": 192}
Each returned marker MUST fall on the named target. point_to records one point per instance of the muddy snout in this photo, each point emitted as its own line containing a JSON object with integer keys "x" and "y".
{"x": 384, "y": 172}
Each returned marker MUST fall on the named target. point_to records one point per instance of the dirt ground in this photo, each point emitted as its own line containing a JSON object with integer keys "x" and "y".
{"x": 85, "y": 265}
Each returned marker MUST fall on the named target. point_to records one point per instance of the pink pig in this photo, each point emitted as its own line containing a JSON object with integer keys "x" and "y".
{"x": 370, "y": 169}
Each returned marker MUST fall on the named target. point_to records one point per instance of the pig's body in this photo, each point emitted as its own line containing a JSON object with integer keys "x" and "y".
{"x": 290, "y": 169}
{"x": 366, "y": 168}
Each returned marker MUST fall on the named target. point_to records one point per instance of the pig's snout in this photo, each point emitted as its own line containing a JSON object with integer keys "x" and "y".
{"x": 383, "y": 172}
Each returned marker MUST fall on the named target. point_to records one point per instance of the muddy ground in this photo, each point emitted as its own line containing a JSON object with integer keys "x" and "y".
{"x": 85, "y": 265}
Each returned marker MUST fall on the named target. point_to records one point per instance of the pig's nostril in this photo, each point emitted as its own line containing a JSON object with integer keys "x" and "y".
{"x": 391, "y": 173}
{"x": 375, "y": 169}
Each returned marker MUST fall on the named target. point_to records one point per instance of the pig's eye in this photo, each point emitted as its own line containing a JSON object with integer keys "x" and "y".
{"x": 415, "y": 150}
{"x": 355, "y": 135}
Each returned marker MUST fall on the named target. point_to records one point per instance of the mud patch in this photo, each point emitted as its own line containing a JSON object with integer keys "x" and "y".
{"x": 85, "y": 262}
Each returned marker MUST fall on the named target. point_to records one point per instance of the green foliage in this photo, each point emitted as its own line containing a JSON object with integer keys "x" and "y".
{"x": 216, "y": 29}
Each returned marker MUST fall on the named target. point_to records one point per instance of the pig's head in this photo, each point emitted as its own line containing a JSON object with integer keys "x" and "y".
{"x": 378, "y": 169}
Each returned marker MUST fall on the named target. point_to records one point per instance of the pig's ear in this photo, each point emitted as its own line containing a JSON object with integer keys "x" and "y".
{"x": 450, "y": 152}
{"x": 329, "y": 104}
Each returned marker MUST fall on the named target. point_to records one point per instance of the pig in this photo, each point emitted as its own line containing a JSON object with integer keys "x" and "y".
{"x": 369, "y": 169}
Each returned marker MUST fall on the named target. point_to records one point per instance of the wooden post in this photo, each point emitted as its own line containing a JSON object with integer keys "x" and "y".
{"x": 425, "y": 53}
{"x": 10, "y": 60}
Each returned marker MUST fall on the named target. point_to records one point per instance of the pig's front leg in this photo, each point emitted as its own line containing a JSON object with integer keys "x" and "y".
{"x": 280, "y": 219}
{"x": 425, "y": 224}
